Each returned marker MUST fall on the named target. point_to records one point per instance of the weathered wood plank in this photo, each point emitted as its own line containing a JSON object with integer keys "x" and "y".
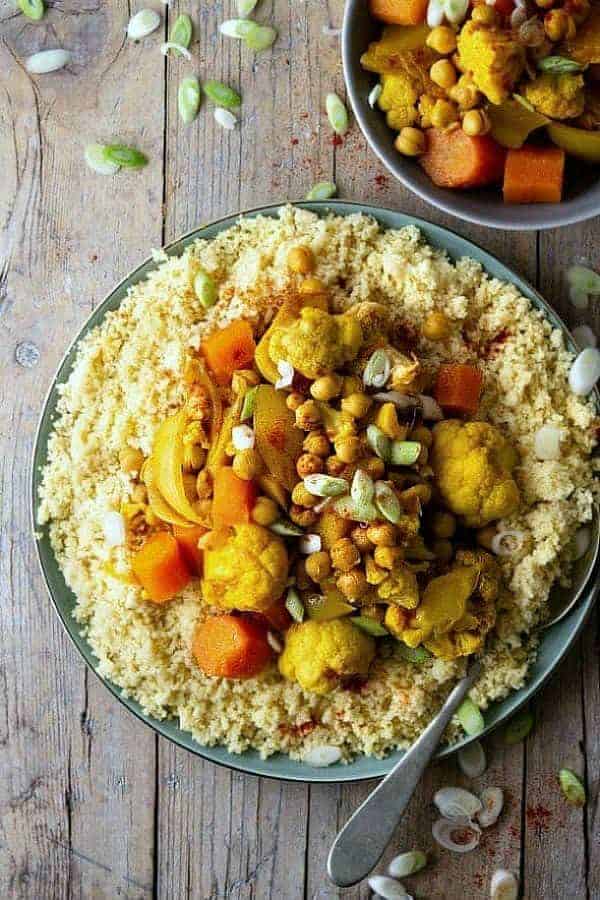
{"x": 77, "y": 786}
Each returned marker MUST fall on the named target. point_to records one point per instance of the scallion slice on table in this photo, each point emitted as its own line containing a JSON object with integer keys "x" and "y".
{"x": 323, "y": 190}
{"x": 221, "y": 94}
{"x": 188, "y": 99}
{"x": 94, "y": 157}
{"x": 336, "y": 113}
{"x": 33, "y": 9}
{"x": 261, "y": 37}
{"x": 181, "y": 32}
{"x": 225, "y": 118}
{"x": 47, "y": 61}
{"x": 236, "y": 28}
{"x": 142, "y": 24}
{"x": 179, "y": 49}
{"x": 205, "y": 289}
{"x": 519, "y": 727}
{"x": 128, "y": 157}
{"x": 245, "y": 7}
{"x": 572, "y": 787}
{"x": 469, "y": 716}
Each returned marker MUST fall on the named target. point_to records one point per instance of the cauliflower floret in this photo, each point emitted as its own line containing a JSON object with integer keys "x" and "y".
{"x": 493, "y": 57}
{"x": 401, "y": 91}
{"x": 248, "y": 571}
{"x": 317, "y": 342}
{"x": 472, "y": 464}
{"x": 557, "y": 96}
{"x": 400, "y": 588}
{"x": 318, "y": 654}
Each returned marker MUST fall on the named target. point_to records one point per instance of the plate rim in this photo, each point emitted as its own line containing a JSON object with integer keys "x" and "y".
{"x": 258, "y": 766}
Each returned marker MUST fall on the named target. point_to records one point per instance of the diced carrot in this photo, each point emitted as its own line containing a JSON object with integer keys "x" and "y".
{"x": 453, "y": 159}
{"x": 399, "y": 12}
{"x": 534, "y": 175}
{"x": 231, "y": 646}
{"x": 160, "y": 567}
{"x": 233, "y": 498}
{"x": 188, "y": 538}
{"x": 229, "y": 349}
{"x": 458, "y": 389}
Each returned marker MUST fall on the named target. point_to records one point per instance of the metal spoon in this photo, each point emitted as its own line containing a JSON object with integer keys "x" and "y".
{"x": 363, "y": 839}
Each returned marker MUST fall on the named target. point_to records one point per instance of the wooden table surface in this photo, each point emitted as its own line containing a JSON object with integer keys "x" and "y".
{"x": 92, "y": 803}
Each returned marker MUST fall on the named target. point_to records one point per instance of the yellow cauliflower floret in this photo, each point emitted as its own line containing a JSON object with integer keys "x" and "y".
{"x": 472, "y": 464}
{"x": 557, "y": 96}
{"x": 495, "y": 60}
{"x": 248, "y": 571}
{"x": 317, "y": 342}
{"x": 402, "y": 90}
{"x": 318, "y": 654}
{"x": 400, "y": 588}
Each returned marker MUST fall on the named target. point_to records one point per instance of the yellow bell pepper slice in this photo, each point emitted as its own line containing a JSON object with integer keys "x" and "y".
{"x": 576, "y": 141}
{"x": 167, "y": 465}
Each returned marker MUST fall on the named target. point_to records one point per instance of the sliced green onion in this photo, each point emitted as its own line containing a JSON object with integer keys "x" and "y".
{"x": 225, "y": 118}
{"x": 261, "y": 37}
{"x": 94, "y": 157}
{"x": 221, "y": 95}
{"x": 181, "y": 32}
{"x": 236, "y": 28}
{"x": 377, "y": 371}
{"x": 415, "y": 655}
{"x": 325, "y": 485}
{"x": 469, "y": 716}
{"x": 245, "y": 7}
{"x": 178, "y": 49}
{"x": 33, "y": 9}
{"x": 128, "y": 157}
{"x": 371, "y": 626}
{"x": 404, "y": 453}
{"x": 583, "y": 279}
{"x": 248, "y": 404}
{"x": 323, "y": 190}
{"x": 188, "y": 99}
{"x": 379, "y": 442}
{"x": 519, "y": 727}
{"x": 336, "y": 113}
{"x": 572, "y": 787}
{"x": 205, "y": 289}
{"x": 294, "y": 605}
{"x": 362, "y": 489}
{"x": 387, "y": 502}
{"x": 47, "y": 61}
{"x": 142, "y": 24}
{"x": 285, "y": 528}
{"x": 348, "y": 509}
{"x": 374, "y": 95}
{"x": 407, "y": 864}
{"x": 559, "y": 65}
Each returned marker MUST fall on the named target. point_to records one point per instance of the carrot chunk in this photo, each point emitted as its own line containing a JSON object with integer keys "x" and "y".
{"x": 453, "y": 159}
{"x": 229, "y": 349}
{"x": 160, "y": 567}
{"x": 233, "y": 498}
{"x": 231, "y": 646}
{"x": 458, "y": 389}
{"x": 188, "y": 538}
{"x": 399, "y": 12}
{"x": 534, "y": 175}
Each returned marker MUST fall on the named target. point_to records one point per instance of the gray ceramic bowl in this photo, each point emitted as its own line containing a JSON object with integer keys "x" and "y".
{"x": 483, "y": 206}
{"x": 554, "y": 644}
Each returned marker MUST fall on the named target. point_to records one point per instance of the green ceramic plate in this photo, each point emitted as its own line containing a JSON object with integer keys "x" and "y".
{"x": 555, "y": 643}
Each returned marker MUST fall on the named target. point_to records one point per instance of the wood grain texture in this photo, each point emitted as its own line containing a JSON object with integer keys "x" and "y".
{"x": 91, "y": 803}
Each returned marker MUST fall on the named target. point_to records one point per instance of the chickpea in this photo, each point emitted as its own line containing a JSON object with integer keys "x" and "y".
{"x": 410, "y": 141}
{"x": 204, "y": 487}
{"x": 348, "y": 448}
{"x": 425, "y": 107}
{"x": 353, "y": 584}
{"x": 335, "y": 466}
{"x": 387, "y": 557}
{"x": 303, "y": 517}
{"x": 443, "y": 73}
{"x": 465, "y": 92}
{"x": 361, "y": 539}
{"x": 352, "y": 385}
{"x": 373, "y": 466}
{"x": 437, "y": 325}
{"x": 131, "y": 460}
{"x": 484, "y": 14}
{"x": 486, "y": 535}
{"x": 302, "y": 497}
{"x": 422, "y": 434}
{"x": 442, "y": 39}
{"x": 384, "y": 535}
{"x": 443, "y": 550}
{"x": 357, "y": 405}
{"x": 294, "y": 400}
{"x": 317, "y": 442}
{"x": 301, "y": 260}
{"x": 247, "y": 464}
{"x": 318, "y": 566}
{"x": 375, "y": 574}
{"x": 265, "y": 511}
{"x": 327, "y": 387}
{"x": 443, "y": 524}
{"x": 444, "y": 113}
{"x": 312, "y": 286}
{"x": 421, "y": 492}
{"x": 308, "y": 416}
{"x": 559, "y": 25}
{"x": 309, "y": 464}
{"x": 344, "y": 555}
{"x": 475, "y": 122}
{"x": 302, "y": 580}
{"x": 139, "y": 494}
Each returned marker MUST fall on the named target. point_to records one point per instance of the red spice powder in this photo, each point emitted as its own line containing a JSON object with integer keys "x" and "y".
{"x": 337, "y": 140}
{"x": 381, "y": 181}
{"x": 294, "y": 141}
{"x": 538, "y": 817}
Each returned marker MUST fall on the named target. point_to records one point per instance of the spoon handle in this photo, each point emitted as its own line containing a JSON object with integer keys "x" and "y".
{"x": 366, "y": 834}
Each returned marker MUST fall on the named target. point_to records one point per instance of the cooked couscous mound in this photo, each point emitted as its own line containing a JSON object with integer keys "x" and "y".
{"x": 127, "y": 380}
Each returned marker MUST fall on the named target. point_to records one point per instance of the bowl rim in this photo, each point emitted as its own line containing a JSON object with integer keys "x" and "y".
{"x": 436, "y": 197}
{"x": 257, "y": 766}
